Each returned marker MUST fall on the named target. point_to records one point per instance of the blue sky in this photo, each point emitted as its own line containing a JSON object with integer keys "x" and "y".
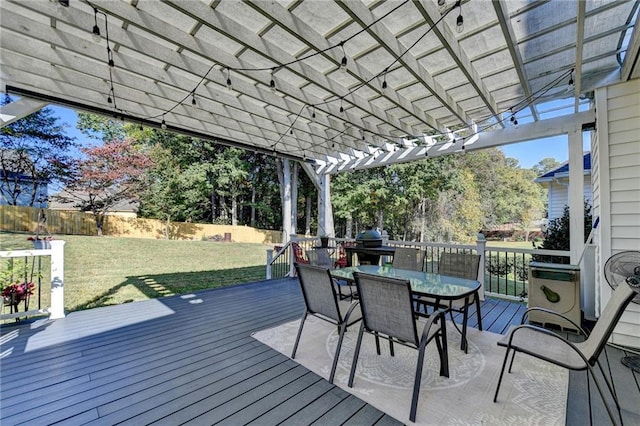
{"x": 527, "y": 153}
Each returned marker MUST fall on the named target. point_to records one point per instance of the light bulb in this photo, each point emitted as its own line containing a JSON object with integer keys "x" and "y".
{"x": 343, "y": 64}
{"x": 384, "y": 84}
{"x": 229, "y": 86}
{"x": 109, "y": 100}
{"x": 272, "y": 85}
{"x": 460, "y": 24}
{"x": 442, "y": 5}
{"x": 96, "y": 34}
{"x": 163, "y": 125}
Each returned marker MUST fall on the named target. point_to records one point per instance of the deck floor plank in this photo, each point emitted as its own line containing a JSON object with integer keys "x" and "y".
{"x": 171, "y": 361}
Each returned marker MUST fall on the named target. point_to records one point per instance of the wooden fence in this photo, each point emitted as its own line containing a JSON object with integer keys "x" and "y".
{"x": 25, "y": 219}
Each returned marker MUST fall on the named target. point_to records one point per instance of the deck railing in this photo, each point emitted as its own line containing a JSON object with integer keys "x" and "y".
{"x": 28, "y": 267}
{"x": 504, "y": 271}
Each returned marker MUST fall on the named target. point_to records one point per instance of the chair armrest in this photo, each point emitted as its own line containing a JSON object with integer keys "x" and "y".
{"x": 525, "y": 315}
{"x": 439, "y": 314}
{"x": 550, "y": 333}
{"x": 353, "y": 305}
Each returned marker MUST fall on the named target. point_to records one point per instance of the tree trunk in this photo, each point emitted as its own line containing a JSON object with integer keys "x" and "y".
{"x": 307, "y": 208}
{"x": 213, "y": 207}
{"x": 349, "y": 230}
{"x": 234, "y": 210}
{"x": 380, "y": 219}
{"x": 252, "y": 219}
{"x": 167, "y": 228}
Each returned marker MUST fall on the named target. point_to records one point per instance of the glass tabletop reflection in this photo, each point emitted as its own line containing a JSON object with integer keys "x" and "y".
{"x": 422, "y": 283}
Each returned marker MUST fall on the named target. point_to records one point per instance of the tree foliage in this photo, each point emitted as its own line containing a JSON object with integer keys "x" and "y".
{"x": 33, "y": 149}
{"x": 110, "y": 173}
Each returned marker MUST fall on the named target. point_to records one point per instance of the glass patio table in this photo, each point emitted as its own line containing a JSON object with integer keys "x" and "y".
{"x": 426, "y": 284}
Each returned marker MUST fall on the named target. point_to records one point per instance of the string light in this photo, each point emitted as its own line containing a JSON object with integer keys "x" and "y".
{"x": 272, "y": 83}
{"x": 343, "y": 66}
{"x": 513, "y": 119}
{"x": 229, "y": 85}
{"x": 163, "y": 125}
{"x": 96, "y": 30}
{"x": 442, "y": 5}
{"x": 460, "y": 19}
{"x": 571, "y": 87}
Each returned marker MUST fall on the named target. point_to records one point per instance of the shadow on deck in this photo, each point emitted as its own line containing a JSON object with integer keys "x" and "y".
{"x": 190, "y": 358}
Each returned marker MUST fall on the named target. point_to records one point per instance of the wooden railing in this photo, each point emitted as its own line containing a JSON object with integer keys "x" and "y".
{"x": 504, "y": 271}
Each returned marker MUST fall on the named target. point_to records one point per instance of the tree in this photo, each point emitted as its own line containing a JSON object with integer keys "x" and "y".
{"x": 558, "y": 234}
{"x": 230, "y": 174}
{"x": 545, "y": 165}
{"x": 33, "y": 149}
{"x": 109, "y": 174}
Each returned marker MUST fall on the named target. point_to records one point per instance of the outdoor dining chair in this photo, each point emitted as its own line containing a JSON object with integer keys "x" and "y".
{"x": 321, "y": 301}
{"x": 549, "y": 346}
{"x": 408, "y": 258}
{"x": 388, "y": 313}
{"x": 320, "y": 257}
{"x": 460, "y": 265}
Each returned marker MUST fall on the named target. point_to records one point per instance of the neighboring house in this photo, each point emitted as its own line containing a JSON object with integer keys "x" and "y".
{"x": 17, "y": 187}
{"x": 556, "y": 182}
{"x": 66, "y": 201}
{"x": 21, "y": 197}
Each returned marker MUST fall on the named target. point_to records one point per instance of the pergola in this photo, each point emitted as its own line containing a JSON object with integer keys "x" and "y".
{"x": 336, "y": 85}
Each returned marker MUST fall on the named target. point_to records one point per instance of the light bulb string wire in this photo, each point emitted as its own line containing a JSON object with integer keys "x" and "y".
{"x": 522, "y": 104}
{"x": 519, "y": 106}
{"x": 374, "y": 77}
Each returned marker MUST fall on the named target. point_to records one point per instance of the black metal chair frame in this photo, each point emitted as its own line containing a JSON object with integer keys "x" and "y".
{"x": 330, "y": 312}
{"x": 587, "y": 351}
{"x": 363, "y": 281}
{"x": 449, "y": 306}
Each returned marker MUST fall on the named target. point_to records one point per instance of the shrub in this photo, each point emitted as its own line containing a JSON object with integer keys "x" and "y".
{"x": 557, "y": 237}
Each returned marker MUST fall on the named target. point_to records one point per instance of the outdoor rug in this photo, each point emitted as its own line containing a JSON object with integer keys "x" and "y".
{"x": 535, "y": 393}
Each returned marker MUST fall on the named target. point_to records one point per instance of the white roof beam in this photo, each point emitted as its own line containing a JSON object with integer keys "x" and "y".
{"x": 524, "y": 132}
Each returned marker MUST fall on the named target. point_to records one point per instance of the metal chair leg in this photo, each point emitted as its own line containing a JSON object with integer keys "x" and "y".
{"x": 295, "y": 345}
{"x": 355, "y": 356}
{"x": 504, "y": 365}
{"x": 343, "y": 329}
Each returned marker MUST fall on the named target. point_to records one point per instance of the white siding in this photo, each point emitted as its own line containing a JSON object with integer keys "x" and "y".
{"x": 616, "y": 183}
{"x": 558, "y": 195}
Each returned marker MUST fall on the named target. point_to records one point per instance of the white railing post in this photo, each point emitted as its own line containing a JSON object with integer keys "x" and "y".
{"x": 57, "y": 279}
{"x": 481, "y": 245}
{"x": 269, "y": 260}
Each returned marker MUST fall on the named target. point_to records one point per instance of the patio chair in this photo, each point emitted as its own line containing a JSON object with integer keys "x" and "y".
{"x": 320, "y": 257}
{"x": 321, "y": 301}
{"x": 549, "y": 346}
{"x": 387, "y": 312}
{"x": 460, "y": 265}
{"x": 298, "y": 254}
{"x": 408, "y": 258}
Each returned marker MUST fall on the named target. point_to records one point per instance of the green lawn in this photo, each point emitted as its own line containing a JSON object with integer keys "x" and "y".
{"x": 103, "y": 271}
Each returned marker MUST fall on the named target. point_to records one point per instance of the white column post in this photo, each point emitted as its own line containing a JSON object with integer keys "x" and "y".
{"x": 269, "y": 259}
{"x": 576, "y": 195}
{"x": 57, "y": 279}
{"x": 481, "y": 245}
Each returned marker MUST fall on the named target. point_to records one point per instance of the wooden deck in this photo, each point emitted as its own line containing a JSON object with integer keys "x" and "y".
{"x": 191, "y": 360}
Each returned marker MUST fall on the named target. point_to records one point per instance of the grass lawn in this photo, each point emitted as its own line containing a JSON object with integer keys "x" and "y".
{"x": 102, "y": 271}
